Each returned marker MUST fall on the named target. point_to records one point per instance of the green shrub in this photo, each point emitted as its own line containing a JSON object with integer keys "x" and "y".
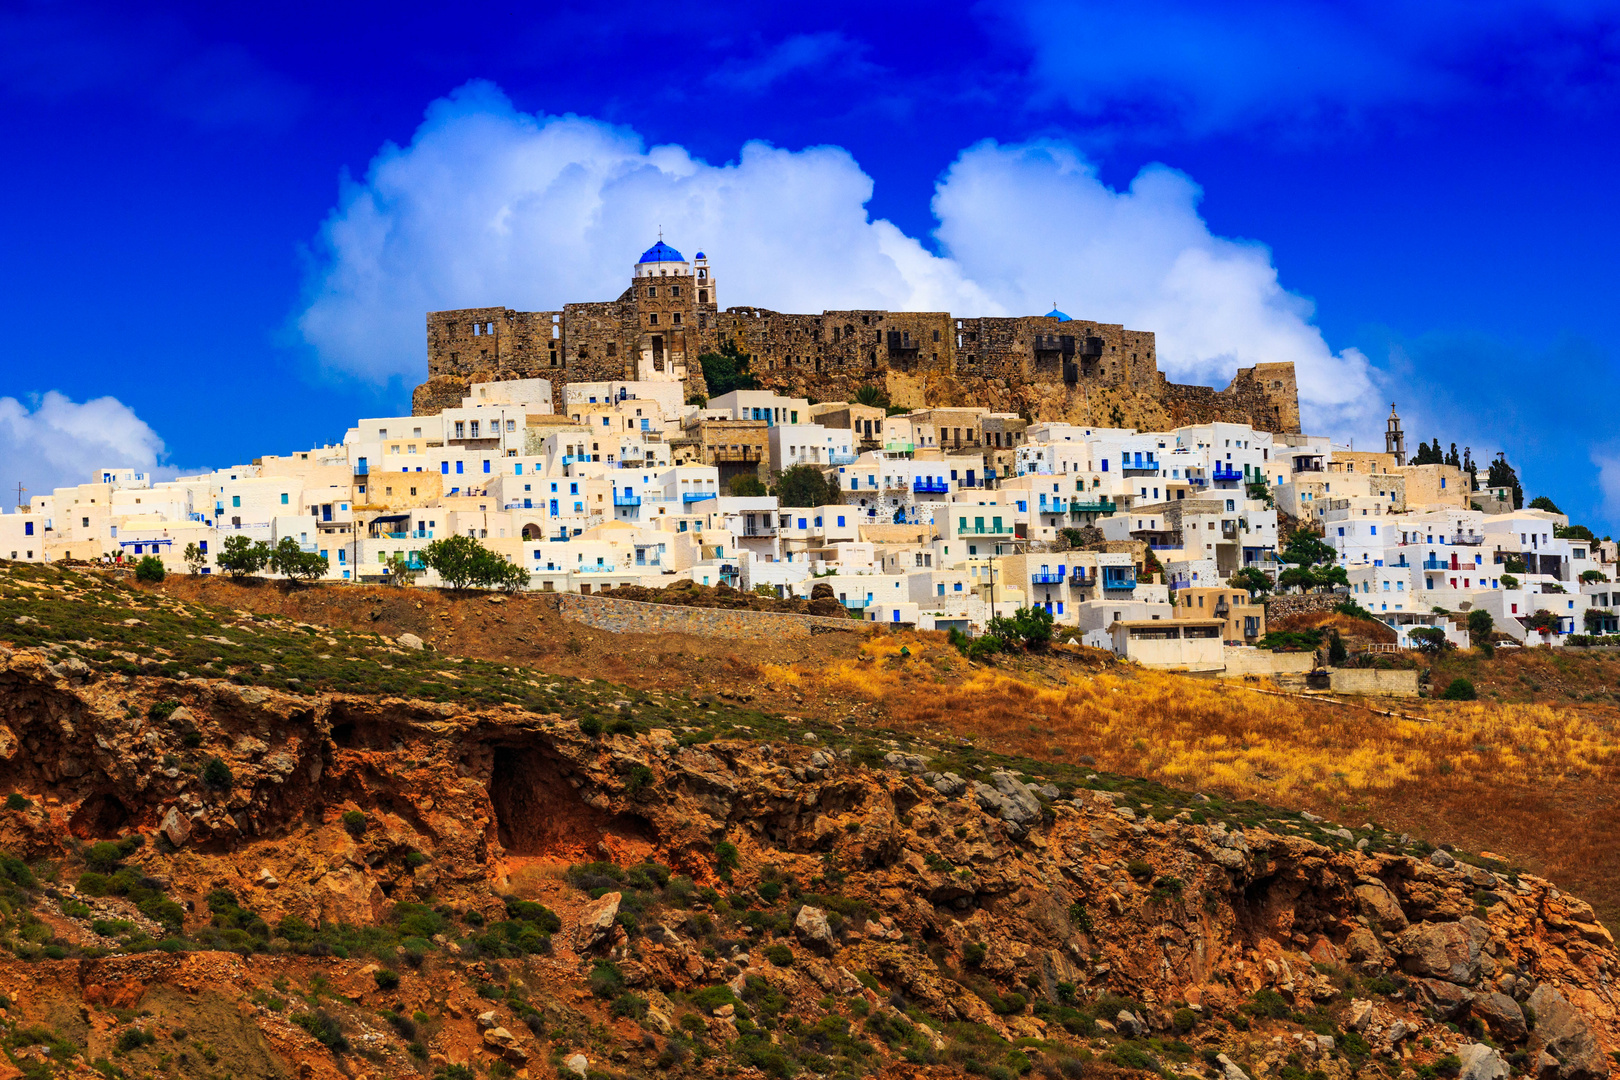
{"x": 134, "y": 1038}
{"x": 973, "y": 954}
{"x": 323, "y": 1026}
{"x": 591, "y": 725}
{"x": 354, "y": 822}
{"x": 1459, "y": 689}
{"x": 15, "y": 801}
{"x": 149, "y": 569}
{"x": 639, "y": 778}
{"x": 386, "y": 980}
{"x": 606, "y": 981}
{"x": 217, "y": 774}
{"x": 780, "y": 955}
{"x": 161, "y": 710}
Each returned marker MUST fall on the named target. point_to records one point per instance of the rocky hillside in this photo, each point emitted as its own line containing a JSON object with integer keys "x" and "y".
{"x": 503, "y": 872}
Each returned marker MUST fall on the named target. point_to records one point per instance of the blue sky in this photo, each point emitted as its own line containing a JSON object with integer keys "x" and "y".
{"x": 230, "y": 224}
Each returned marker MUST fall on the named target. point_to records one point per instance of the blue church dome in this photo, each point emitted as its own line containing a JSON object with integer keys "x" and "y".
{"x": 700, "y": 255}
{"x": 660, "y": 252}
{"x": 1058, "y": 315}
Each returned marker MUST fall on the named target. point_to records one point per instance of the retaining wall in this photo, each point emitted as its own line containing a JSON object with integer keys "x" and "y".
{"x": 1241, "y": 661}
{"x": 1397, "y": 682}
{"x": 637, "y": 617}
{"x": 1278, "y": 607}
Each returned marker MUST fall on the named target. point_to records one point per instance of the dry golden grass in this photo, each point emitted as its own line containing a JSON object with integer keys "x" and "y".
{"x": 1517, "y": 778}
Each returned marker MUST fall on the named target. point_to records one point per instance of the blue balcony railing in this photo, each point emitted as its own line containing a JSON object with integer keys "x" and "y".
{"x": 1435, "y": 564}
{"x": 930, "y": 487}
{"x": 627, "y": 500}
{"x": 840, "y": 459}
{"x": 1114, "y": 577}
{"x": 1047, "y": 578}
{"x": 596, "y": 569}
{"x": 1099, "y": 506}
{"x": 1079, "y": 579}
{"x": 361, "y": 469}
{"x": 696, "y": 496}
{"x": 1223, "y": 472}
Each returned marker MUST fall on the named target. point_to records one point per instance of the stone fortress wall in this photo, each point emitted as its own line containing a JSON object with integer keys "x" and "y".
{"x": 1043, "y": 367}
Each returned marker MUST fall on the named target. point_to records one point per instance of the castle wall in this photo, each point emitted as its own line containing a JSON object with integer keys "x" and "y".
{"x": 1034, "y": 366}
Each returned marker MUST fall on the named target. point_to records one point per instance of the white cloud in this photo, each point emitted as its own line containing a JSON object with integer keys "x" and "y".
{"x": 1607, "y": 460}
{"x": 61, "y": 441}
{"x": 488, "y": 206}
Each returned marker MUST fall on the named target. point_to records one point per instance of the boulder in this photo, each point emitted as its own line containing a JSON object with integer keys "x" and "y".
{"x": 1448, "y": 951}
{"x": 1481, "y": 1062}
{"x": 1379, "y": 906}
{"x": 1358, "y": 1016}
{"x": 1448, "y": 1000}
{"x": 596, "y": 921}
{"x": 176, "y": 829}
{"x": 504, "y": 1043}
{"x": 822, "y": 591}
{"x": 813, "y": 931}
{"x": 949, "y": 785}
{"x": 1502, "y": 1015}
{"x": 410, "y": 641}
{"x": 579, "y": 1064}
{"x": 1442, "y": 859}
{"x": 1229, "y": 1069}
{"x": 1129, "y": 1024}
{"x": 1362, "y": 945}
{"x": 1009, "y": 799}
{"x": 1563, "y": 1032}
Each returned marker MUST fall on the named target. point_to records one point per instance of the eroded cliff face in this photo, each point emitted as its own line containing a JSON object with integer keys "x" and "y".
{"x": 945, "y": 917}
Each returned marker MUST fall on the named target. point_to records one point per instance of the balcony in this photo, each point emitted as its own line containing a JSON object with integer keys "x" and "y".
{"x": 1227, "y": 474}
{"x": 899, "y": 447}
{"x": 1118, "y": 578}
{"x": 596, "y": 570}
{"x": 1470, "y": 540}
{"x": 1140, "y": 468}
{"x": 985, "y": 530}
{"x": 361, "y": 469}
{"x": 391, "y": 535}
{"x": 840, "y": 459}
{"x": 759, "y": 530}
{"x": 1046, "y": 578}
{"x": 1079, "y": 580}
{"x": 626, "y": 500}
{"x": 930, "y": 487}
{"x": 1229, "y": 532}
{"x": 1436, "y": 564}
{"x": 689, "y": 497}
{"x": 1098, "y": 506}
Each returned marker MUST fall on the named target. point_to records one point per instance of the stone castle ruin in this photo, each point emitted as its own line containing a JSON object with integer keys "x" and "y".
{"x": 1044, "y": 367}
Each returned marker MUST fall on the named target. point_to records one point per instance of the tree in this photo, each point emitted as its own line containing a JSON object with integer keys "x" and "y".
{"x": 1593, "y": 577}
{"x": 1502, "y": 475}
{"x": 1430, "y": 639}
{"x": 241, "y": 557}
{"x": 1305, "y": 548}
{"x": 805, "y": 485}
{"x": 294, "y": 562}
{"x": 462, "y": 561}
{"x": 1337, "y": 652}
{"x": 1452, "y": 459}
{"x": 747, "y": 486}
{"x": 195, "y": 559}
{"x": 1509, "y": 581}
{"x": 1312, "y": 561}
{"x": 150, "y": 569}
{"x": 1471, "y": 469}
{"x": 727, "y": 370}
{"x": 1030, "y": 625}
{"x": 1251, "y": 578}
{"x": 1594, "y": 619}
{"x": 872, "y": 396}
{"x": 1480, "y": 626}
{"x": 1429, "y": 455}
{"x": 1541, "y": 502}
{"x": 1574, "y": 532}
{"x": 399, "y": 570}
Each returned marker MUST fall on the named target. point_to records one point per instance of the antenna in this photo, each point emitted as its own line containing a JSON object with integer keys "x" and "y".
{"x": 20, "y": 490}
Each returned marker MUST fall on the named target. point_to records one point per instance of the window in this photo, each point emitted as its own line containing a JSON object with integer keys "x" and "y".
{"x": 28, "y": 528}
{"x": 458, "y": 468}
{"x": 486, "y": 466}
{"x": 652, "y": 319}
{"x": 236, "y": 500}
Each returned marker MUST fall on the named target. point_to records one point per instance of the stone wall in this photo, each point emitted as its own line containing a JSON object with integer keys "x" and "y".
{"x": 1391, "y": 682}
{"x": 1280, "y": 607}
{"x": 635, "y": 617}
{"x": 1032, "y": 366}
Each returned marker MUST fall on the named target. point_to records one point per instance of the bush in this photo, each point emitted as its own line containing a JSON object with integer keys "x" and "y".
{"x": 324, "y": 1027}
{"x": 217, "y": 774}
{"x": 15, "y": 801}
{"x": 780, "y": 955}
{"x": 386, "y": 980}
{"x": 1460, "y": 689}
{"x": 354, "y": 822}
{"x": 150, "y": 569}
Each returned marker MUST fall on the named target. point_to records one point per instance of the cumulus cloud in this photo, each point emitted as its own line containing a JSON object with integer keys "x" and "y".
{"x": 488, "y": 205}
{"x": 59, "y": 441}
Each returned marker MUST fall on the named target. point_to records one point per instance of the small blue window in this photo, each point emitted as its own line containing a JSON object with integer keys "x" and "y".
{"x": 444, "y": 468}
{"x": 518, "y": 469}
{"x": 958, "y": 586}
{"x": 28, "y": 528}
{"x": 802, "y": 523}
{"x": 573, "y": 489}
{"x": 1375, "y": 530}
{"x": 840, "y": 520}
{"x": 1105, "y": 465}
{"x": 486, "y": 465}
{"x": 236, "y": 500}
{"x": 284, "y": 498}
{"x": 896, "y": 615}
{"x": 202, "y": 546}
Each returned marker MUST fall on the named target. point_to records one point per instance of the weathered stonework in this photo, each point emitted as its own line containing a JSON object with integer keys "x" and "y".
{"x": 1039, "y": 367}
{"x": 634, "y": 617}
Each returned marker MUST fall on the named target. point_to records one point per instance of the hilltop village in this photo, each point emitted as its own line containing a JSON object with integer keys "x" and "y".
{"x": 1155, "y": 543}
